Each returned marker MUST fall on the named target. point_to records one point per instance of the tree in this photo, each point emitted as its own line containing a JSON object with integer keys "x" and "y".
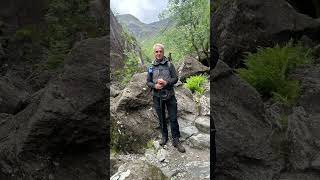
{"x": 192, "y": 18}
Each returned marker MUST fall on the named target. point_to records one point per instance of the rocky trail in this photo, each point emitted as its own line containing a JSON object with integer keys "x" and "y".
{"x": 133, "y": 112}
{"x": 193, "y": 165}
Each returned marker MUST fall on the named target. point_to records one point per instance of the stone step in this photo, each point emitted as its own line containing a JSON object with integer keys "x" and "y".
{"x": 203, "y": 124}
{"x": 188, "y": 131}
{"x": 199, "y": 141}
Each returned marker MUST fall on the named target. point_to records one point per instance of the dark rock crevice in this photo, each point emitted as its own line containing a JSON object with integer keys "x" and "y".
{"x": 308, "y": 7}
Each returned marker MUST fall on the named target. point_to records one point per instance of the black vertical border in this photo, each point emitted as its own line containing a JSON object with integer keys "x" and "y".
{"x": 213, "y": 61}
{"x": 107, "y": 90}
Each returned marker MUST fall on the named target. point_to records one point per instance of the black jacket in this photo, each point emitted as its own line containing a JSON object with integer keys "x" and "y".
{"x": 165, "y": 70}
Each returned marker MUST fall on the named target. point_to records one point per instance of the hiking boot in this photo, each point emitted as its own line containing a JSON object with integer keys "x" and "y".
{"x": 177, "y": 144}
{"x": 163, "y": 141}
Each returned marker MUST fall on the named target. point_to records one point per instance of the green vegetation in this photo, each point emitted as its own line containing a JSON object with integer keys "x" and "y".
{"x": 195, "y": 83}
{"x": 132, "y": 62}
{"x": 65, "y": 23}
{"x": 174, "y": 42}
{"x": 150, "y": 145}
{"x": 190, "y": 33}
{"x": 68, "y": 21}
{"x": 131, "y": 67}
{"x": 279, "y": 141}
{"x": 27, "y": 33}
{"x": 268, "y": 71}
{"x": 192, "y": 20}
{"x": 114, "y": 138}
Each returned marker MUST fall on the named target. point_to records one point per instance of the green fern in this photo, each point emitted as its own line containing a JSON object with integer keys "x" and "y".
{"x": 195, "y": 83}
{"x": 268, "y": 71}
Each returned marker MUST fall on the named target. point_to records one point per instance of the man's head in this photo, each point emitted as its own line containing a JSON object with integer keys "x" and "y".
{"x": 158, "y": 50}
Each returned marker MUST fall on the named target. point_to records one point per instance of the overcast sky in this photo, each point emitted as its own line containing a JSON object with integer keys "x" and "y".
{"x": 146, "y": 11}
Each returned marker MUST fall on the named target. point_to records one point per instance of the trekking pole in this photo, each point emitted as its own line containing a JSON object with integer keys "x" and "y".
{"x": 161, "y": 113}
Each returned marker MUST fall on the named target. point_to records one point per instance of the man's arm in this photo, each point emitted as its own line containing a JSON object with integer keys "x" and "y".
{"x": 150, "y": 82}
{"x": 174, "y": 76}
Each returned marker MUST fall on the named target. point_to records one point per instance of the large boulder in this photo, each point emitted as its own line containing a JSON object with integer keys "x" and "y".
{"x": 136, "y": 94}
{"x": 64, "y": 123}
{"x": 187, "y": 107}
{"x": 133, "y": 117}
{"x": 303, "y": 125}
{"x": 303, "y": 134}
{"x": 243, "y": 25}
{"x": 132, "y": 130}
{"x": 13, "y": 95}
{"x": 242, "y": 132}
{"x": 309, "y": 76}
{"x": 190, "y": 67}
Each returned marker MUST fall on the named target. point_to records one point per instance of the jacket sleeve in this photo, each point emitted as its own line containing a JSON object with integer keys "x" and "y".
{"x": 150, "y": 81}
{"x": 174, "y": 76}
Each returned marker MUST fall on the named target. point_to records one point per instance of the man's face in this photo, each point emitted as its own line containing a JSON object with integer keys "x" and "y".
{"x": 158, "y": 53}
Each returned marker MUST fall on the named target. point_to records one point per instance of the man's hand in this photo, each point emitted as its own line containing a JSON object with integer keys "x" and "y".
{"x": 158, "y": 86}
{"x": 162, "y": 82}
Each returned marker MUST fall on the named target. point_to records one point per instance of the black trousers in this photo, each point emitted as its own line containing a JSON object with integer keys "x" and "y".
{"x": 171, "y": 105}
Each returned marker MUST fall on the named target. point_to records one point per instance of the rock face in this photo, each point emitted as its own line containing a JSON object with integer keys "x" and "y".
{"x": 117, "y": 44}
{"x": 252, "y": 135}
{"x": 12, "y": 96}
{"x": 18, "y": 12}
{"x": 242, "y": 136}
{"x": 303, "y": 133}
{"x": 309, "y": 7}
{"x": 64, "y": 123}
{"x": 303, "y": 125}
{"x": 309, "y": 76}
{"x": 243, "y": 25}
{"x": 246, "y": 130}
{"x": 190, "y": 67}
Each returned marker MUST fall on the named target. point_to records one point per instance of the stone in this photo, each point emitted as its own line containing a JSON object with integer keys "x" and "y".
{"x": 200, "y": 141}
{"x": 162, "y": 154}
{"x": 203, "y": 124}
{"x": 188, "y": 131}
{"x": 191, "y": 67}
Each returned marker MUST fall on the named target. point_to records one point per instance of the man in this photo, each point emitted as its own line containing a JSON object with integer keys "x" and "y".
{"x": 161, "y": 78}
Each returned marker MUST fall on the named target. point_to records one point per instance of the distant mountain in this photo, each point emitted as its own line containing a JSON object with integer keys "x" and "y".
{"x": 141, "y": 30}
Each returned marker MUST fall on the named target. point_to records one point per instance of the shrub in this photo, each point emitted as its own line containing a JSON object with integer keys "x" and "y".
{"x": 267, "y": 71}
{"x": 131, "y": 66}
{"x": 195, "y": 83}
{"x": 27, "y": 33}
{"x": 54, "y": 61}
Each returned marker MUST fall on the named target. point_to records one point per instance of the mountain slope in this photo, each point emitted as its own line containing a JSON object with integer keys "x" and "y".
{"x": 141, "y": 30}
